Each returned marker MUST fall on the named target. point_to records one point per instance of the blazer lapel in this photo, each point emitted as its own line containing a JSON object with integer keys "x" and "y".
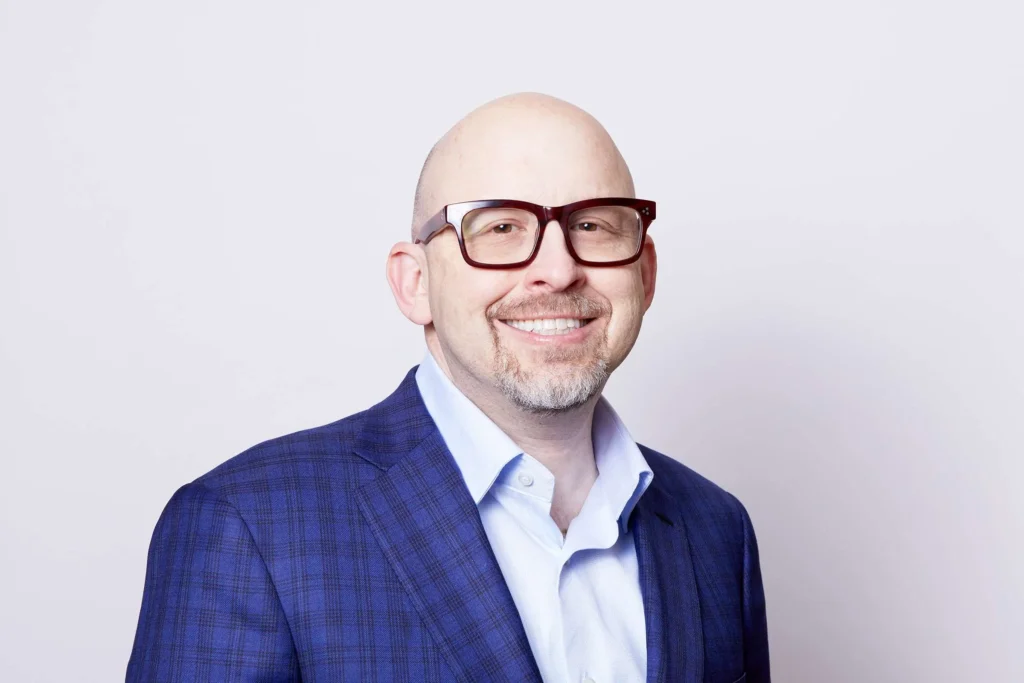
{"x": 429, "y": 529}
{"x": 675, "y": 639}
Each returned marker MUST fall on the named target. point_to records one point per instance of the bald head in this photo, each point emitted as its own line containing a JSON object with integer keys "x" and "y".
{"x": 526, "y": 146}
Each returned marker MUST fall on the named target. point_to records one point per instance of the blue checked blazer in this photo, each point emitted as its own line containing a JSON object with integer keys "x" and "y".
{"x": 354, "y": 552}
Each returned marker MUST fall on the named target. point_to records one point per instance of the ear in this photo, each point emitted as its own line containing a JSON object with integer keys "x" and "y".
{"x": 648, "y": 271}
{"x": 407, "y": 275}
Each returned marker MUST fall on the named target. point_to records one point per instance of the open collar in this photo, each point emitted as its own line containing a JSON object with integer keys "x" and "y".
{"x": 482, "y": 450}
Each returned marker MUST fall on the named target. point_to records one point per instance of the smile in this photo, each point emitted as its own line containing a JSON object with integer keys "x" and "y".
{"x": 549, "y": 326}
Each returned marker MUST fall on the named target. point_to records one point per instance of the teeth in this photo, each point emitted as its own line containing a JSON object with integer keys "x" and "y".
{"x": 547, "y": 326}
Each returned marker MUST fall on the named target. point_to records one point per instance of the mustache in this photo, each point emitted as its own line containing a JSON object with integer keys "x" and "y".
{"x": 574, "y": 304}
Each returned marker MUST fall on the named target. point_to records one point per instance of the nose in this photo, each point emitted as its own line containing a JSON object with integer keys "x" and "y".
{"x": 554, "y": 268}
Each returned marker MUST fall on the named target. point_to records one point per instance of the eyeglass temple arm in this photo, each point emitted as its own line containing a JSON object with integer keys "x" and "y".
{"x": 433, "y": 226}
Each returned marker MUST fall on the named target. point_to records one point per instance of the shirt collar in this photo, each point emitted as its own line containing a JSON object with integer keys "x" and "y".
{"x": 624, "y": 474}
{"x": 482, "y": 450}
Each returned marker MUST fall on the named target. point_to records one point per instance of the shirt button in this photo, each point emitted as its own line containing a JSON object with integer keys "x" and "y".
{"x": 526, "y": 480}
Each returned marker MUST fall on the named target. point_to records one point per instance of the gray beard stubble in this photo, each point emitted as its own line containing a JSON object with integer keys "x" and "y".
{"x": 545, "y": 395}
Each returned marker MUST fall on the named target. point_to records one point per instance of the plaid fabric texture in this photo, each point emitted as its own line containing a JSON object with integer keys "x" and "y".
{"x": 353, "y": 552}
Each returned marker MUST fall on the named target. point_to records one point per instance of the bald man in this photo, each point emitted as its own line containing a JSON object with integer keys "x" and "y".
{"x": 492, "y": 519}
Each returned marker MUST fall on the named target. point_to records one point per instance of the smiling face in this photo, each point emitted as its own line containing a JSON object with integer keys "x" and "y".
{"x": 545, "y": 336}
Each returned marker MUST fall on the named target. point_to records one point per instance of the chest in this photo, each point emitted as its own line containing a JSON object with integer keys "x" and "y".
{"x": 578, "y": 597}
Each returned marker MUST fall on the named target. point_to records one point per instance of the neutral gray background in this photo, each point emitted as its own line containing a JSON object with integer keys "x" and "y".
{"x": 196, "y": 199}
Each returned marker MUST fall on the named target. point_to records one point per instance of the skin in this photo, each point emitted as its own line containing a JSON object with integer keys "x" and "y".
{"x": 539, "y": 149}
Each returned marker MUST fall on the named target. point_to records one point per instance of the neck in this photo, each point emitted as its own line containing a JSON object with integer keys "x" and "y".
{"x": 561, "y": 441}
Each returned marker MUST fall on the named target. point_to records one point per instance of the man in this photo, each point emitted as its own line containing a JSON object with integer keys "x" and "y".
{"x": 491, "y": 520}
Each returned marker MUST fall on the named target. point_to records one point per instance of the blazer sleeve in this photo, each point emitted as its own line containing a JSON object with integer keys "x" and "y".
{"x": 210, "y": 611}
{"x": 755, "y": 620}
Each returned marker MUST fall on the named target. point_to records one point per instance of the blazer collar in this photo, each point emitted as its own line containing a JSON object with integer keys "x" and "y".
{"x": 429, "y": 529}
{"x": 396, "y": 425}
{"x": 675, "y": 639}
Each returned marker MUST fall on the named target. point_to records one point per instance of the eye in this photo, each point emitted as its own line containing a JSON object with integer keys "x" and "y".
{"x": 586, "y": 226}
{"x": 503, "y": 228}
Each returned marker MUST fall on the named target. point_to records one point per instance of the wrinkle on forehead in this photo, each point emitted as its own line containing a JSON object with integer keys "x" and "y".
{"x": 526, "y": 146}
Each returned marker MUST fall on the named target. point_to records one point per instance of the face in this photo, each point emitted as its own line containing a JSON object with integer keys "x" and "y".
{"x": 546, "y": 335}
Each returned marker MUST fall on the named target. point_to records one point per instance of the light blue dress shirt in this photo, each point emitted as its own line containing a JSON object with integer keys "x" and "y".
{"x": 578, "y": 596}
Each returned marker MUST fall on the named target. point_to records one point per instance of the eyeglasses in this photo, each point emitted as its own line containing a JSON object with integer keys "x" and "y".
{"x": 506, "y": 233}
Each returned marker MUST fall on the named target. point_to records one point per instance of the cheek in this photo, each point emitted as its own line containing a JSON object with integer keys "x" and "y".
{"x": 625, "y": 293}
{"x": 459, "y": 299}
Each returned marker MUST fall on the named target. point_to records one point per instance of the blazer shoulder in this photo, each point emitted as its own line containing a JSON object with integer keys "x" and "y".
{"x": 287, "y": 455}
{"x": 695, "y": 493}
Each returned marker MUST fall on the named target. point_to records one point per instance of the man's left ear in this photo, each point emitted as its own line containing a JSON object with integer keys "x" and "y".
{"x": 648, "y": 271}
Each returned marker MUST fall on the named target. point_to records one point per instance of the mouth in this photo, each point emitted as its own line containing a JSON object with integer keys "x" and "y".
{"x": 549, "y": 327}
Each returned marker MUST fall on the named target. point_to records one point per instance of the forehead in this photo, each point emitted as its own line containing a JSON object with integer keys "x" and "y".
{"x": 545, "y": 160}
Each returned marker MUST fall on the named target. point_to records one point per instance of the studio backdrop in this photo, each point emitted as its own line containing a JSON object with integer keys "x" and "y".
{"x": 197, "y": 198}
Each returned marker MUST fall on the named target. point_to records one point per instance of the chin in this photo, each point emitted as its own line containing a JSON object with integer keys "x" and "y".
{"x": 550, "y": 389}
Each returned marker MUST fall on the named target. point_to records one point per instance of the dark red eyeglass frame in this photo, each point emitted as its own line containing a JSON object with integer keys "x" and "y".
{"x": 452, "y": 215}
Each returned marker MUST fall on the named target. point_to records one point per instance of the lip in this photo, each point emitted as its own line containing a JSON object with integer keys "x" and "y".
{"x": 551, "y": 316}
{"x": 574, "y": 337}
